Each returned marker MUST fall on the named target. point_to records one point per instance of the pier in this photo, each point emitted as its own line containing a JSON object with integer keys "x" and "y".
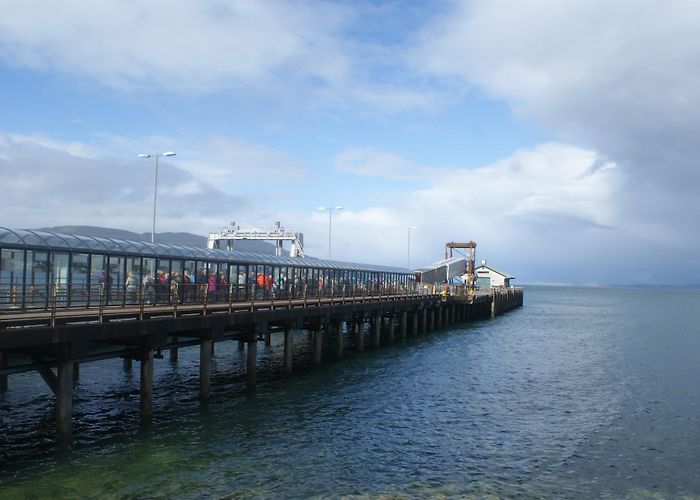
{"x": 361, "y": 306}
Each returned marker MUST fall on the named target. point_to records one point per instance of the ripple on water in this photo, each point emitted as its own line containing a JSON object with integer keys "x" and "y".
{"x": 577, "y": 394}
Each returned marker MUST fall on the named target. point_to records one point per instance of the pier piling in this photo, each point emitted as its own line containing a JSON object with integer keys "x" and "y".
{"x": 288, "y": 346}
{"x": 146, "y": 382}
{"x": 3, "y": 378}
{"x": 174, "y": 351}
{"x": 360, "y": 337}
{"x": 64, "y": 398}
{"x": 404, "y": 326}
{"x": 377, "y": 331}
{"x": 251, "y": 375}
{"x": 205, "y": 352}
{"x": 339, "y": 339}
{"x": 318, "y": 345}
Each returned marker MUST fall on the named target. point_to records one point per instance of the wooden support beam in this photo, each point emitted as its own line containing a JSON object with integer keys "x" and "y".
{"x": 3, "y": 378}
{"x": 318, "y": 345}
{"x": 414, "y": 321}
{"x": 146, "y": 382}
{"x": 424, "y": 323}
{"x": 339, "y": 339}
{"x": 404, "y": 325}
{"x": 174, "y": 352}
{"x": 49, "y": 377}
{"x": 205, "y": 368}
{"x": 360, "y": 337}
{"x": 76, "y": 371}
{"x": 377, "y": 337}
{"x": 241, "y": 345}
{"x": 64, "y": 398}
{"x": 288, "y": 347}
{"x": 251, "y": 375}
{"x": 268, "y": 339}
{"x": 392, "y": 328}
{"x": 127, "y": 362}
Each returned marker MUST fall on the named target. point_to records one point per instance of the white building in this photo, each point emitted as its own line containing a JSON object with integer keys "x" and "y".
{"x": 487, "y": 277}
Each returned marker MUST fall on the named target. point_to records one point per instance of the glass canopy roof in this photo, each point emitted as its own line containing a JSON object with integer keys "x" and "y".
{"x": 94, "y": 244}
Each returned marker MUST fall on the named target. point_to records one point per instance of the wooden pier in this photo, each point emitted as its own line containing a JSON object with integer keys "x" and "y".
{"x": 57, "y": 342}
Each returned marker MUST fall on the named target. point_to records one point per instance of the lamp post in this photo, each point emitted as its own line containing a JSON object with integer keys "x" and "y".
{"x": 408, "y": 248}
{"x": 155, "y": 187}
{"x": 330, "y": 225}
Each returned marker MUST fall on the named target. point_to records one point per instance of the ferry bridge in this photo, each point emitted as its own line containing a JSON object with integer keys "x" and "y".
{"x": 69, "y": 299}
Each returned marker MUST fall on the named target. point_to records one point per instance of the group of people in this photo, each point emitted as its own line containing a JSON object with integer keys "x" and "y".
{"x": 186, "y": 286}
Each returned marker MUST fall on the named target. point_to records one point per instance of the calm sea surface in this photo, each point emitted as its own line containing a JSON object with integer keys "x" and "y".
{"x": 581, "y": 393}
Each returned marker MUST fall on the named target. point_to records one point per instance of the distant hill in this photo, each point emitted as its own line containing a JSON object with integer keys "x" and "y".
{"x": 186, "y": 239}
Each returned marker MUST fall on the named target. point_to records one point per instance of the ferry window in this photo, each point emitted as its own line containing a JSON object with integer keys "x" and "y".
{"x": 11, "y": 278}
{"x": 114, "y": 280}
{"x": 252, "y": 277}
{"x": 161, "y": 282}
{"x": 175, "y": 283}
{"x": 37, "y": 282}
{"x": 222, "y": 281}
{"x": 59, "y": 276}
{"x": 277, "y": 286}
{"x": 233, "y": 274}
{"x": 148, "y": 280}
{"x": 79, "y": 273}
{"x": 132, "y": 282}
{"x": 97, "y": 277}
{"x": 242, "y": 278}
{"x": 201, "y": 276}
{"x": 189, "y": 281}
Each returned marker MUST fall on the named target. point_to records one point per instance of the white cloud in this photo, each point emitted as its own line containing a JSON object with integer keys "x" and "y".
{"x": 534, "y": 212}
{"x": 619, "y": 77}
{"x": 288, "y": 51}
{"x": 542, "y": 213}
{"x": 173, "y": 43}
{"x": 48, "y": 183}
{"x": 370, "y": 162}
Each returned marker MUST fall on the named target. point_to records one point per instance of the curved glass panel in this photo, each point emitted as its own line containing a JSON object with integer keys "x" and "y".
{"x": 10, "y": 237}
{"x": 113, "y": 244}
{"x": 55, "y": 240}
{"x": 116, "y": 246}
{"x": 34, "y": 238}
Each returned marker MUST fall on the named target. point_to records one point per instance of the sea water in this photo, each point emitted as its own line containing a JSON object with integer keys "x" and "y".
{"x": 583, "y": 392}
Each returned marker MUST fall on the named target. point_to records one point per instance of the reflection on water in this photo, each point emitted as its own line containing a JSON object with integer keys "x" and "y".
{"x": 583, "y": 392}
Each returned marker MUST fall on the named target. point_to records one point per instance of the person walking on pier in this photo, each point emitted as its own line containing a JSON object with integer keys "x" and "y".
{"x": 148, "y": 292}
{"x": 131, "y": 287}
{"x": 211, "y": 288}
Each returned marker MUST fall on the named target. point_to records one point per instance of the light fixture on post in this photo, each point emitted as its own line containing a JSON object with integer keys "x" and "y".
{"x": 408, "y": 249}
{"x": 155, "y": 187}
{"x": 330, "y": 225}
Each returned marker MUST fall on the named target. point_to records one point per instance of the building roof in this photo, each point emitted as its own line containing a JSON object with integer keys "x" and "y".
{"x": 505, "y": 275}
{"x": 94, "y": 244}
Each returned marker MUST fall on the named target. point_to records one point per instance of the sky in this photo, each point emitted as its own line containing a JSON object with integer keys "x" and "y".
{"x": 562, "y": 137}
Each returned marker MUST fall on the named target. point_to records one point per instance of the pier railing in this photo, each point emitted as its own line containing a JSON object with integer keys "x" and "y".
{"x": 45, "y": 304}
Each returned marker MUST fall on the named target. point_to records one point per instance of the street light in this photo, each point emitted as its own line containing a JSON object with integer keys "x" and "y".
{"x": 330, "y": 225}
{"x": 408, "y": 250}
{"x": 155, "y": 187}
